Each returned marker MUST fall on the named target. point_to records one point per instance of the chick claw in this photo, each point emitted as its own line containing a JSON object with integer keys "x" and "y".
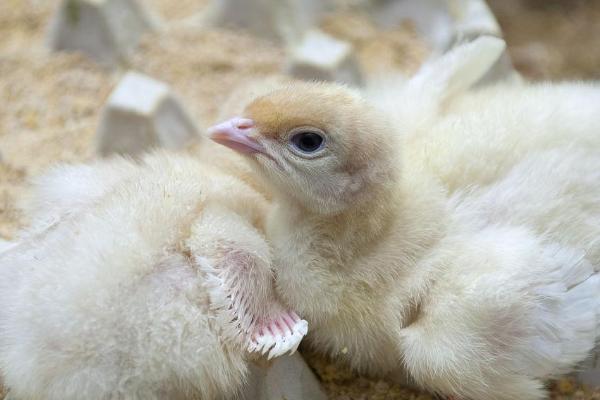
{"x": 281, "y": 335}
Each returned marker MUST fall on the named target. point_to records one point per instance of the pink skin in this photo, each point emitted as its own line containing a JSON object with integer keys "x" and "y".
{"x": 281, "y": 324}
{"x": 277, "y": 336}
{"x": 235, "y": 134}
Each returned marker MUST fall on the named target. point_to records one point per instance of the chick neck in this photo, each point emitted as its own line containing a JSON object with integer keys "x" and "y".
{"x": 356, "y": 226}
{"x": 325, "y": 262}
{"x": 313, "y": 251}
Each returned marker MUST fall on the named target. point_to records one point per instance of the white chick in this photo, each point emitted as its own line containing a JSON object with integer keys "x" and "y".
{"x": 459, "y": 246}
{"x": 147, "y": 280}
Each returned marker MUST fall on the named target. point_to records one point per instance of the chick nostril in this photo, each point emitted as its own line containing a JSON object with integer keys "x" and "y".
{"x": 244, "y": 123}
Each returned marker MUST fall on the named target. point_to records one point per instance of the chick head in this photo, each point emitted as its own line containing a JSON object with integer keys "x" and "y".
{"x": 318, "y": 144}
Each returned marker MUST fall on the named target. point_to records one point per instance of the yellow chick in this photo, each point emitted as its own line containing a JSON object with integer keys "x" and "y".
{"x": 139, "y": 280}
{"x": 459, "y": 246}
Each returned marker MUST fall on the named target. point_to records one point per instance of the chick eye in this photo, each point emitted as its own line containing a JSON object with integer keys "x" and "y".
{"x": 307, "y": 142}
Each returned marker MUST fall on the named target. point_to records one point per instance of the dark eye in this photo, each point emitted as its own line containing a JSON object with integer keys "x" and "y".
{"x": 307, "y": 142}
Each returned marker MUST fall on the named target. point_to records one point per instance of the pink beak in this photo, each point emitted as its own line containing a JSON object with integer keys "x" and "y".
{"x": 235, "y": 134}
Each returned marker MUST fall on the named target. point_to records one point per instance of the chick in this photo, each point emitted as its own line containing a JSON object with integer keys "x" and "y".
{"x": 453, "y": 246}
{"x": 146, "y": 280}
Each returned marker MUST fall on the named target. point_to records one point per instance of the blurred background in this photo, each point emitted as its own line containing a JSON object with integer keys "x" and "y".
{"x": 51, "y": 102}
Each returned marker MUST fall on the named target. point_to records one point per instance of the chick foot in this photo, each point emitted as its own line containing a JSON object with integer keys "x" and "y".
{"x": 279, "y": 335}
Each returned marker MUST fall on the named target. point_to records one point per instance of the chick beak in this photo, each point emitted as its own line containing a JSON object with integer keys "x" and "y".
{"x": 235, "y": 134}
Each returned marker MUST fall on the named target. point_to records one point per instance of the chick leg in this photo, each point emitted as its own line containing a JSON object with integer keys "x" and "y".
{"x": 240, "y": 282}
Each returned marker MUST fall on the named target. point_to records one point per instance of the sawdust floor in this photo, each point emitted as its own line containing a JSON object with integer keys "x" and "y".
{"x": 50, "y": 103}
